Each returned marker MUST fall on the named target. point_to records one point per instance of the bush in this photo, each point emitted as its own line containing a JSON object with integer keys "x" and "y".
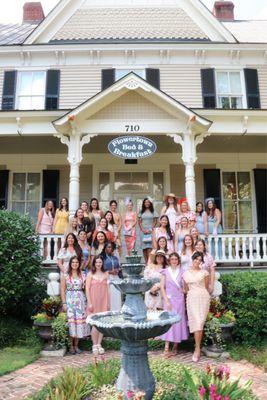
{"x": 15, "y": 333}
{"x": 245, "y": 293}
{"x": 20, "y": 266}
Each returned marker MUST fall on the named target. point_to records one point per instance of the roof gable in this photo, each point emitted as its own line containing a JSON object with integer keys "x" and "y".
{"x": 86, "y": 20}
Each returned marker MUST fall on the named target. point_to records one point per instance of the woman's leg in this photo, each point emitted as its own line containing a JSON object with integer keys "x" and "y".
{"x": 72, "y": 345}
{"x": 175, "y": 348}
{"x": 198, "y": 337}
{"x": 100, "y": 338}
{"x": 167, "y": 349}
{"x": 94, "y": 336}
{"x": 145, "y": 255}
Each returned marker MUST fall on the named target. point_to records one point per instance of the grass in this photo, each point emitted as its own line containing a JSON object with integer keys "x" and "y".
{"x": 256, "y": 355}
{"x": 13, "y": 358}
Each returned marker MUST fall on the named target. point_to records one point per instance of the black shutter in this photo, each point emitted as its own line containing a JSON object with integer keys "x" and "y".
{"x": 4, "y": 174}
{"x": 9, "y": 90}
{"x": 260, "y": 179}
{"x": 50, "y": 185}
{"x": 208, "y": 87}
{"x": 108, "y": 78}
{"x": 212, "y": 185}
{"x": 252, "y": 88}
{"x": 153, "y": 77}
{"x": 52, "y": 89}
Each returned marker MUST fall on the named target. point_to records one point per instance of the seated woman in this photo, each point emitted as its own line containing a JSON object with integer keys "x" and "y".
{"x": 153, "y": 271}
{"x": 112, "y": 266}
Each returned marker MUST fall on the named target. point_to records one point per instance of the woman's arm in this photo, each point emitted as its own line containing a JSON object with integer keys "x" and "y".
{"x": 164, "y": 294}
{"x": 205, "y": 221}
{"x": 163, "y": 210}
{"x": 154, "y": 240}
{"x": 60, "y": 260}
{"x": 218, "y": 216}
{"x": 39, "y": 219}
{"x": 140, "y": 223}
{"x": 88, "y": 283}
{"x": 186, "y": 287}
{"x": 135, "y": 219}
{"x": 55, "y": 221}
{"x": 63, "y": 288}
{"x": 207, "y": 280}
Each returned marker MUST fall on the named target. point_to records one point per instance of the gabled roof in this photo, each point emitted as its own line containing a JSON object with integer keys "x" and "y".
{"x": 14, "y": 33}
{"x": 131, "y": 82}
{"x": 249, "y": 31}
{"x": 129, "y": 20}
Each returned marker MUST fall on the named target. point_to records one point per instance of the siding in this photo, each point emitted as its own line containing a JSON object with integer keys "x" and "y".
{"x": 262, "y": 73}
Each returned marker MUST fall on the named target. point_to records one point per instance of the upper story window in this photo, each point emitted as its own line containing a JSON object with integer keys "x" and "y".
{"x": 31, "y": 90}
{"x": 230, "y": 91}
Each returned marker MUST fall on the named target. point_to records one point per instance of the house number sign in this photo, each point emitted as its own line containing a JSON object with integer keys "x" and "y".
{"x": 132, "y": 147}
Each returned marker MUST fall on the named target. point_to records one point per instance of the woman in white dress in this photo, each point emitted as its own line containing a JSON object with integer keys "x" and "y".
{"x": 153, "y": 298}
{"x": 187, "y": 252}
{"x": 171, "y": 209}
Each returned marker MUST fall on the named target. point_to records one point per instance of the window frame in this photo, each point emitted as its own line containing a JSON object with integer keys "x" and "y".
{"x": 18, "y": 82}
{"x": 130, "y": 69}
{"x": 243, "y": 87}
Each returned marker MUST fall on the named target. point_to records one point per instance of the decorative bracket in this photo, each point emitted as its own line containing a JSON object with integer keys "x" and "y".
{"x": 75, "y": 143}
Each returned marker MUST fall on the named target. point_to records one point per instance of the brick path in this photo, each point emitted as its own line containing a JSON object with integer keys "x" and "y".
{"x": 24, "y": 382}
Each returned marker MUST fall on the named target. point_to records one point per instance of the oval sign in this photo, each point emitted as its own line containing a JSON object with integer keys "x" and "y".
{"x": 132, "y": 147}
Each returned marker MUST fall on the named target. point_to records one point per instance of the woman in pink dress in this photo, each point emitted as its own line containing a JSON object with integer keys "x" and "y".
{"x": 45, "y": 222}
{"x": 186, "y": 212}
{"x": 198, "y": 299}
{"x": 171, "y": 209}
{"x": 208, "y": 262}
{"x": 97, "y": 295}
{"x": 164, "y": 230}
{"x": 129, "y": 222}
{"x": 172, "y": 292}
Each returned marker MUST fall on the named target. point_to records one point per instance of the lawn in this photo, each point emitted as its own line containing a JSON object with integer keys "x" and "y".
{"x": 12, "y": 358}
{"x": 256, "y": 355}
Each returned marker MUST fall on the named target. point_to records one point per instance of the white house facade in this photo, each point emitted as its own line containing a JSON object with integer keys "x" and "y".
{"x": 193, "y": 82}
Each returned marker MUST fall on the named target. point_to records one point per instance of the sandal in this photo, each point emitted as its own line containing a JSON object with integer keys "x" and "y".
{"x": 101, "y": 351}
{"x": 78, "y": 351}
{"x": 166, "y": 354}
{"x": 72, "y": 352}
{"x": 95, "y": 350}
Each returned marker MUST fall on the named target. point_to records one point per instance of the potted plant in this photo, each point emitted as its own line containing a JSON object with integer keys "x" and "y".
{"x": 52, "y": 305}
{"x": 43, "y": 326}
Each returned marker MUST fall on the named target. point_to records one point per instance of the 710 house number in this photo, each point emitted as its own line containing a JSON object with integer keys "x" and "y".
{"x": 132, "y": 128}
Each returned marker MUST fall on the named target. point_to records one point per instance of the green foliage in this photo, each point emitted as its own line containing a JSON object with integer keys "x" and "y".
{"x": 13, "y": 332}
{"x": 103, "y": 373}
{"x": 20, "y": 285}
{"x": 41, "y": 318}
{"x": 256, "y": 354}
{"x": 213, "y": 332}
{"x": 60, "y": 331}
{"x": 245, "y": 293}
{"x": 52, "y": 305}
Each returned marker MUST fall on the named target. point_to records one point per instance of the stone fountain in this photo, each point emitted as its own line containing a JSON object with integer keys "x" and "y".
{"x": 134, "y": 325}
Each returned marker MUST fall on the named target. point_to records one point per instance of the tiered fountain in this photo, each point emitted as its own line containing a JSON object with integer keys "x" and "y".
{"x": 134, "y": 325}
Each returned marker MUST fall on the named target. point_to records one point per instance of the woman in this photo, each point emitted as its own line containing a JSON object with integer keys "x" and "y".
{"x": 62, "y": 217}
{"x": 112, "y": 266}
{"x": 198, "y": 300}
{"x": 112, "y": 227}
{"x": 201, "y": 219}
{"x": 185, "y": 212}
{"x": 195, "y": 234}
{"x": 85, "y": 224}
{"x": 70, "y": 248}
{"x": 82, "y": 240}
{"x": 172, "y": 292}
{"x": 208, "y": 263}
{"x": 186, "y": 252}
{"x": 214, "y": 224}
{"x": 171, "y": 209}
{"x": 72, "y": 227}
{"x": 153, "y": 299}
{"x": 98, "y": 244}
{"x": 95, "y": 210}
{"x": 45, "y": 221}
{"x": 147, "y": 220}
{"x": 113, "y": 205}
{"x": 74, "y": 303}
{"x": 103, "y": 227}
{"x": 97, "y": 294}
{"x": 129, "y": 226}
{"x": 180, "y": 233}
{"x": 164, "y": 230}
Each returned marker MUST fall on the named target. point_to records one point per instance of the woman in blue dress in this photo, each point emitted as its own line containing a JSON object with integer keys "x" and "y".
{"x": 82, "y": 240}
{"x": 147, "y": 219}
{"x": 201, "y": 219}
{"x": 214, "y": 225}
{"x": 112, "y": 266}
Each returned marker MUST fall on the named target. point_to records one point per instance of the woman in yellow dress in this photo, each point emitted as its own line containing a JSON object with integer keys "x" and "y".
{"x": 61, "y": 220}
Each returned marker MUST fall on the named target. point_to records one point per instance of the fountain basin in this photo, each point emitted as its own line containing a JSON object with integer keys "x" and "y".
{"x": 113, "y": 324}
{"x": 132, "y": 286}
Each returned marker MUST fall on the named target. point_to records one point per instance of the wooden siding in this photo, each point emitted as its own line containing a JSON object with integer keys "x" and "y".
{"x": 262, "y": 74}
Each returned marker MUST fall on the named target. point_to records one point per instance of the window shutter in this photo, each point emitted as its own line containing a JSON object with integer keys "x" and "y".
{"x": 208, "y": 87}
{"x": 153, "y": 77}
{"x": 260, "y": 179}
{"x": 51, "y": 185}
{"x": 9, "y": 90}
{"x": 212, "y": 185}
{"x": 252, "y": 88}
{"x": 52, "y": 89}
{"x": 108, "y": 78}
{"x": 4, "y": 175}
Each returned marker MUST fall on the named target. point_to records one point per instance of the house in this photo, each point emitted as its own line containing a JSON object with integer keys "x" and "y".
{"x": 192, "y": 82}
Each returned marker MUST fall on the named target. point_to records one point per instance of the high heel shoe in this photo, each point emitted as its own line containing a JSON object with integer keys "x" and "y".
{"x": 95, "y": 350}
{"x": 101, "y": 351}
{"x": 195, "y": 358}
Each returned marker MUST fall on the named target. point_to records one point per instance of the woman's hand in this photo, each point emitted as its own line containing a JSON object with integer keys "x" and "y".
{"x": 89, "y": 309}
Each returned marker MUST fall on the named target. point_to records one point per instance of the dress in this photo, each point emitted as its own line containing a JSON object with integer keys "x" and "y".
{"x": 211, "y": 225}
{"x": 76, "y": 307}
{"x": 198, "y": 299}
{"x": 86, "y": 256}
{"x": 99, "y": 295}
{"x": 97, "y": 215}
{"x": 98, "y": 251}
{"x": 181, "y": 234}
{"x": 174, "y": 291}
{"x": 128, "y": 231}
{"x": 62, "y": 221}
{"x": 200, "y": 222}
{"x": 153, "y": 302}
{"x": 110, "y": 263}
{"x": 147, "y": 222}
{"x": 186, "y": 261}
{"x": 172, "y": 214}
{"x": 208, "y": 262}
{"x": 65, "y": 254}
{"x": 158, "y": 233}
{"x": 46, "y": 224}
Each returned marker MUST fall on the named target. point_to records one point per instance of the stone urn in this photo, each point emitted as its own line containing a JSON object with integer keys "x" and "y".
{"x": 45, "y": 332}
{"x": 227, "y": 331}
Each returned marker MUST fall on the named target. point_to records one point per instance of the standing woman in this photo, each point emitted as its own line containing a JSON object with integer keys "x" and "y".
{"x": 153, "y": 299}
{"x": 95, "y": 210}
{"x": 62, "y": 217}
{"x": 103, "y": 227}
{"x": 129, "y": 226}
{"x": 164, "y": 230}
{"x": 195, "y": 234}
{"x": 172, "y": 291}
{"x": 208, "y": 263}
{"x": 180, "y": 233}
{"x": 171, "y": 209}
{"x": 147, "y": 219}
{"x": 98, "y": 244}
{"x": 97, "y": 294}
{"x": 214, "y": 224}
{"x": 74, "y": 303}
{"x": 201, "y": 219}
{"x": 45, "y": 221}
{"x": 112, "y": 227}
{"x": 82, "y": 240}
{"x": 198, "y": 300}
{"x": 112, "y": 266}
{"x": 186, "y": 212}
{"x": 85, "y": 224}
{"x": 70, "y": 248}
{"x": 72, "y": 227}
{"x": 187, "y": 252}
{"x": 113, "y": 205}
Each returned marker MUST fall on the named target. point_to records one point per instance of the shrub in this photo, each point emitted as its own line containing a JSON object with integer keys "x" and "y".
{"x": 245, "y": 293}
{"x": 13, "y": 333}
{"x": 60, "y": 331}
{"x": 20, "y": 267}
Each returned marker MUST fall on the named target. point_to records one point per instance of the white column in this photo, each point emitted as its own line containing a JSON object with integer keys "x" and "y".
{"x": 74, "y": 187}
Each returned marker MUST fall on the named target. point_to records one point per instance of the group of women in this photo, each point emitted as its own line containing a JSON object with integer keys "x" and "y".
{"x": 174, "y": 251}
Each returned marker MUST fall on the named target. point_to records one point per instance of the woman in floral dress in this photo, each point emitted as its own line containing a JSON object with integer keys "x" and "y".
{"x": 129, "y": 226}
{"x": 74, "y": 303}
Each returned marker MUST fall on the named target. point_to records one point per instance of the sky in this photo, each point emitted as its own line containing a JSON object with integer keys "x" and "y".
{"x": 244, "y": 9}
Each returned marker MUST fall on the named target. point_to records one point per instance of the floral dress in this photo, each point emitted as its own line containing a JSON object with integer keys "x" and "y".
{"x": 76, "y": 307}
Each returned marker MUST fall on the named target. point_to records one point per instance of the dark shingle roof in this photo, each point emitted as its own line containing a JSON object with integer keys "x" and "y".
{"x": 15, "y": 34}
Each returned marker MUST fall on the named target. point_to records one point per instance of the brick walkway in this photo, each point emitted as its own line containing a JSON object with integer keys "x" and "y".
{"x": 24, "y": 382}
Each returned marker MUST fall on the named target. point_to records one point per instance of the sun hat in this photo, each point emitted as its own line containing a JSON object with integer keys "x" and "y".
{"x": 157, "y": 253}
{"x": 171, "y": 195}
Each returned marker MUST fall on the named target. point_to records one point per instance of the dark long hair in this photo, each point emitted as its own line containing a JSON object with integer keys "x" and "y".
{"x": 76, "y": 216}
{"x": 94, "y": 199}
{"x": 168, "y": 226}
{"x": 212, "y": 211}
{"x": 67, "y": 204}
{"x": 93, "y": 268}
{"x": 151, "y": 206}
{"x": 76, "y": 245}
{"x": 196, "y": 255}
{"x": 96, "y": 242}
{"x": 103, "y": 254}
{"x": 79, "y": 270}
{"x": 166, "y": 245}
{"x": 165, "y": 262}
{"x": 112, "y": 222}
{"x": 203, "y": 208}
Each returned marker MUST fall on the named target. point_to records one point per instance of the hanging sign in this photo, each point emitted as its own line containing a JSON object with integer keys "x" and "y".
{"x": 132, "y": 147}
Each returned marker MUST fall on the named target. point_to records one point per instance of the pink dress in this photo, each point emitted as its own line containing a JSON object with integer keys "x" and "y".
{"x": 208, "y": 262}
{"x": 159, "y": 233}
{"x": 99, "y": 295}
{"x": 129, "y": 231}
{"x": 46, "y": 225}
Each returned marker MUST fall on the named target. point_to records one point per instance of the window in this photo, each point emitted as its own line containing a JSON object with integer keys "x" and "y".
{"x": 120, "y": 73}
{"x": 237, "y": 202}
{"x": 230, "y": 92}
{"x": 26, "y": 193}
{"x": 31, "y": 90}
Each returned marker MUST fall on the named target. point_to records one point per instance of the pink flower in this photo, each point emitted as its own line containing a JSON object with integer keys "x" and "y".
{"x": 227, "y": 398}
{"x": 219, "y": 397}
{"x": 130, "y": 394}
{"x": 213, "y": 389}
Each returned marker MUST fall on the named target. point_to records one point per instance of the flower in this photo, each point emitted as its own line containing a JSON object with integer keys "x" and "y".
{"x": 227, "y": 398}
{"x": 202, "y": 391}
{"x": 213, "y": 389}
{"x": 130, "y": 394}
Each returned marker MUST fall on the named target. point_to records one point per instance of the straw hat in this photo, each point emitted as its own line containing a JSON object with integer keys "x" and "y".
{"x": 157, "y": 253}
{"x": 171, "y": 195}
{"x": 209, "y": 199}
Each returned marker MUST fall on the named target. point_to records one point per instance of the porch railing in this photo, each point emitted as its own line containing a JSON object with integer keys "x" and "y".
{"x": 227, "y": 249}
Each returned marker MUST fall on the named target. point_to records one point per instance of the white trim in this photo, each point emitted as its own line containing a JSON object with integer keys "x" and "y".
{"x": 242, "y": 81}
{"x": 18, "y": 82}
